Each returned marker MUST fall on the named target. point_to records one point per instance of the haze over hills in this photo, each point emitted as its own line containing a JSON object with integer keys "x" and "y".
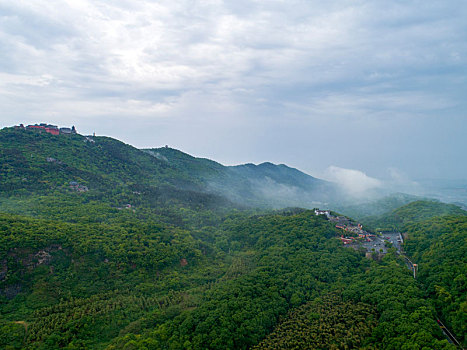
{"x": 47, "y": 162}
{"x": 105, "y": 246}
{"x": 266, "y": 184}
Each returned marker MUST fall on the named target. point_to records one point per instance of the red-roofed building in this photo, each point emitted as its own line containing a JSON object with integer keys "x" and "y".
{"x": 53, "y": 131}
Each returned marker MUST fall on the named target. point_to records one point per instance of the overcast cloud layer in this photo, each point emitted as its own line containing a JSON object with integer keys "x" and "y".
{"x": 378, "y": 86}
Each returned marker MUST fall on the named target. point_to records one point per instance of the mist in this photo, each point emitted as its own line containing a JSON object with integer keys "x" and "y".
{"x": 352, "y": 182}
{"x": 346, "y": 190}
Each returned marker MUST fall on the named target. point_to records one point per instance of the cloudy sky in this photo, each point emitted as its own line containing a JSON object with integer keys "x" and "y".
{"x": 379, "y": 87}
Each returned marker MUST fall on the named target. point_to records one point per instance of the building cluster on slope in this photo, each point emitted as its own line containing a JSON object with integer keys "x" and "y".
{"x": 75, "y": 186}
{"x": 347, "y": 225}
{"x": 51, "y": 129}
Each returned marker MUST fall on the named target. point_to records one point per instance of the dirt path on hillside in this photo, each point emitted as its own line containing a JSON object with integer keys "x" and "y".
{"x": 25, "y": 325}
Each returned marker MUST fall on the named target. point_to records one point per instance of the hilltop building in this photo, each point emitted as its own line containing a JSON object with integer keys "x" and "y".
{"x": 52, "y": 129}
{"x": 68, "y": 130}
{"x": 323, "y": 212}
{"x": 65, "y": 130}
{"x": 48, "y": 128}
{"x": 75, "y": 186}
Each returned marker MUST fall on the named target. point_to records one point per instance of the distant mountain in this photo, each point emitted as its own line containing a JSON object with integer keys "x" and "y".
{"x": 380, "y": 206}
{"x": 413, "y": 212}
{"x": 265, "y": 185}
{"x": 38, "y": 163}
{"x": 448, "y": 191}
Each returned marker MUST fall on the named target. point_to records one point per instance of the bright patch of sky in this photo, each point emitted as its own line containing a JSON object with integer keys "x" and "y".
{"x": 376, "y": 86}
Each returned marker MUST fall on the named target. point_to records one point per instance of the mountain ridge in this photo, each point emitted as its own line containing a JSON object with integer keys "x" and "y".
{"x": 102, "y": 164}
{"x": 264, "y": 184}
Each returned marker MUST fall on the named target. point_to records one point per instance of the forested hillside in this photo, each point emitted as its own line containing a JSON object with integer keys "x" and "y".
{"x": 264, "y": 185}
{"x": 439, "y": 246}
{"x": 416, "y": 211}
{"x": 436, "y": 240}
{"x": 96, "y": 168}
{"x": 103, "y": 246}
{"x": 39, "y": 162}
{"x": 227, "y": 285}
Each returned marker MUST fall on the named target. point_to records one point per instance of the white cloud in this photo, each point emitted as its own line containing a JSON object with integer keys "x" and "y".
{"x": 261, "y": 61}
{"x": 354, "y": 182}
{"x": 207, "y": 46}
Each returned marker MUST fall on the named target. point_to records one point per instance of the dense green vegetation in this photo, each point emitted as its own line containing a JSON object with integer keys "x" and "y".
{"x": 436, "y": 239}
{"x": 80, "y": 284}
{"x": 148, "y": 258}
{"x": 86, "y": 281}
{"x": 439, "y": 246}
{"x": 385, "y": 305}
{"x": 326, "y": 322}
{"x": 109, "y": 170}
{"x": 406, "y": 319}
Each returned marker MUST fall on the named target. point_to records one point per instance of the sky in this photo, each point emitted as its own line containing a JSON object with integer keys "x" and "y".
{"x": 374, "y": 91}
